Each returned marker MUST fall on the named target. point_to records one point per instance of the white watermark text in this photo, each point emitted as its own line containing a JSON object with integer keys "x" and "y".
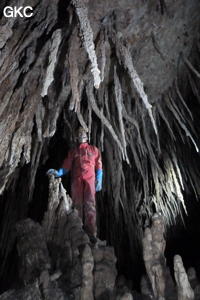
{"x": 14, "y": 12}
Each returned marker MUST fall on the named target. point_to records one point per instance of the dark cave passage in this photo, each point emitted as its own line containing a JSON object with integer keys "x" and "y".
{"x": 183, "y": 239}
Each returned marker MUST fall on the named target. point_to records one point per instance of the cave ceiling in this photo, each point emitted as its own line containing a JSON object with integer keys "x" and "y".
{"x": 156, "y": 40}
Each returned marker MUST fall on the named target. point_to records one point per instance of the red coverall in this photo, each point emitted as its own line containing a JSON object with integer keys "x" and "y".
{"x": 82, "y": 162}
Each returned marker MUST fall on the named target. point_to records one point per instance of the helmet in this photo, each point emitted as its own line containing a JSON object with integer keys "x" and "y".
{"x": 82, "y": 135}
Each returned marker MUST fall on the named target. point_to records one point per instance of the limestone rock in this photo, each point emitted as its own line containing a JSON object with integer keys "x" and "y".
{"x": 184, "y": 289}
{"x": 32, "y": 251}
{"x": 87, "y": 277}
{"x": 104, "y": 272}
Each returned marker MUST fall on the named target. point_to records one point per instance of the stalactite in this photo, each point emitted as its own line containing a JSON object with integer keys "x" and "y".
{"x": 102, "y": 134}
{"x": 168, "y": 192}
{"x": 164, "y": 117}
{"x": 102, "y": 117}
{"x": 194, "y": 87}
{"x": 177, "y": 186}
{"x": 103, "y": 57}
{"x": 101, "y": 52}
{"x": 106, "y": 105}
{"x": 74, "y": 71}
{"x": 182, "y": 100}
{"x": 87, "y": 36}
{"x": 80, "y": 118}
{"x": 137, "y": 160}
{"x": 117, "y": 182}
{"x": 128, "y": 63}
{"x": 149, "y": 146}
{"x": 119, "y": 101}
{"x": 191, "y": 67}
{"x": 39, "y": 116}
{"x": 89, "y": 121}
{"x": 55, "y": 43}
{"x": 35, "y": 161}
{"x": 181, "y": 123}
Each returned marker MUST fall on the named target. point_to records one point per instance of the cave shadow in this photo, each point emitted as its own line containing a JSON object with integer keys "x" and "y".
{"x": 184, "y": 239}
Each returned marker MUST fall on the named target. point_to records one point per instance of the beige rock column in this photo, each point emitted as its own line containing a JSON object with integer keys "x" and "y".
{"x": 184, "y": 289}
{"x": 153, "y": 253}
{"x": 87, "y": 279}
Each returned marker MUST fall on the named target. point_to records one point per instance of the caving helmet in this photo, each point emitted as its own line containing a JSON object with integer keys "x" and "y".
{"x": 82, "y": 136}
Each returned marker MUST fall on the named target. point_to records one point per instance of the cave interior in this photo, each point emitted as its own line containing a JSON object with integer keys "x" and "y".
{"x": 127, "y": 71}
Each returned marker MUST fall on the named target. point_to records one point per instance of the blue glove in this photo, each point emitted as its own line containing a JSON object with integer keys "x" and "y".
{"x": 62, "y": 172}
{"x": 58, "y": 173}
{"x": 99, "y": 177}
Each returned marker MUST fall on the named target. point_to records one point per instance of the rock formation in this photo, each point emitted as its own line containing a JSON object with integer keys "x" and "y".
{"x": 56, "y": 260}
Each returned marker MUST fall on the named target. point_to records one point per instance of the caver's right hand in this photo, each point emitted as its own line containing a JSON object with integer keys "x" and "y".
{"x": 58, "y": 173}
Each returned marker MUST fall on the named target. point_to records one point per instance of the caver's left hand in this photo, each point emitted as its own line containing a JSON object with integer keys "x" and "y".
{"x": 99, "y": 177}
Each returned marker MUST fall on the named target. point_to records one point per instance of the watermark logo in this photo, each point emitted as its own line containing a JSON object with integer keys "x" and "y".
{"x": 14, "y": 12}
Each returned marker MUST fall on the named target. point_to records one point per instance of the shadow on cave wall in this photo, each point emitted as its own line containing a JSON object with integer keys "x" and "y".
{"x": 184, "y": 239}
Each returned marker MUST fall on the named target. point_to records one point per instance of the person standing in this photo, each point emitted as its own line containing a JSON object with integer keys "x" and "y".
{"x": 85, "y": 164}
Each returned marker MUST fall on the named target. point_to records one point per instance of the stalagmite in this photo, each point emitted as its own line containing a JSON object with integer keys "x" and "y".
{"x": 126, "y": 296}
{"x": 31, "y": 292}
{"x": 184, "y": 289}
{"x": 56, "y": 260}
{"x": 145, "y": 286}
{"x": 194, "y": 282}
{"x": 154, "y": 259}
{"x": 104, "y": 272}
{"x": 32, "y": 251}
{"x": 87, "y": 277}
{"x": 148, "y": 257}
